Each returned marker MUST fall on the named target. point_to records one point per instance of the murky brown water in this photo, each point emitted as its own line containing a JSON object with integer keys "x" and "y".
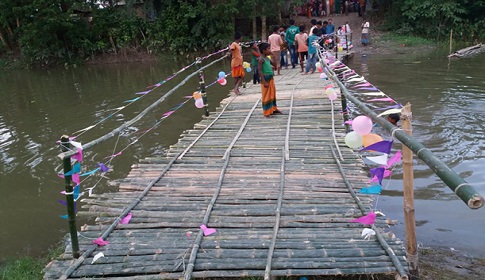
{"x": 37, "y": 107}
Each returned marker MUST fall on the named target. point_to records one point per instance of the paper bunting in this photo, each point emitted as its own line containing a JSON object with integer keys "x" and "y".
{"x": 376, "y": 189}
{"x": 387, "y": 173}
{"x": 75, "y": 192}
{"x": 369, "y": 88}
{"x": 118, "y": 108}
{"x": 90, "y": 172}
{"x": 382, "y": 99}
{"x": 377, "y": 93}
{"x": 115, "y": 155}
{"x": 84, "y": 129}
{"x": 132, "y": 100}
{"x": 99, "y": 241}
{"x": 75, "y": 169}
{"x": 349, "y": 122}
{"x": 389, "y": 107}
{"x": 97, "y": 257}
{"x": 167, "y": 113}
{"x": 79, "y": 155}
{"x": 391, "y": 111}
{"x": 63, "y": 217}
{"x": 380, "y": 160}
{"x": 126, "y": 219}
{"x": 377, "y": 172}
{"x": 382, "y": 146}
{"x": 103, "y": 167}
{"x": 63, "y": 202}
{"x": 368, "y": 219}
{"x": 206, "y": 230}
{"x": 76, "y": 179}
{"x": 396, "y": 158}
{"x": 356, "y": 80}
{"x": 367, "y": 233}
{"x": 143, "y": 92}
{"x": 366, "y": 84}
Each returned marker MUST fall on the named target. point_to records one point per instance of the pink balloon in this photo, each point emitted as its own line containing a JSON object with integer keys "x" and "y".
{"x": 362, "y": 125}
{"x": 323, "y": 75}
{"x": 332, "y": 96}
{"x": 222, "y": 82}
{"x": 328, "y": 86}
{"x": 199, "y": 103}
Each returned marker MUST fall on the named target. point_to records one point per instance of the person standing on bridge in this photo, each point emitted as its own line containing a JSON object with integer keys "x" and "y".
{"x": 290, "y": 39}
{"x": 236, "y": 62}
{"x": 268, "y": 88}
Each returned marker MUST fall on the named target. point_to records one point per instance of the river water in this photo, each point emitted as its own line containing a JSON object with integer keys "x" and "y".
{"x": 38, "y": 106}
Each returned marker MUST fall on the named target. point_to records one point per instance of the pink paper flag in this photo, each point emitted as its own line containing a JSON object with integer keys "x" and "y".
{"x": 374, "y": 179}
{"x": 382, "y": 99}
{"x": 207, "y": 231}
{"x": 100, "y": 242}
{"x": 115, "y": 155}
{"x": 76, "y": 179}
{"x": 79, "y": 155}
{"x": 167, "y": 113}
{"x": 368, "y": 219}
{"x": 387, "y": 173}
{"x": 396, "y": 158}
{"x": 126, "y": 219}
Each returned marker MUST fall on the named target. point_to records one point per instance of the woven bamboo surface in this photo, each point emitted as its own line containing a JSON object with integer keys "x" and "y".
{"x": 273, "y": 216}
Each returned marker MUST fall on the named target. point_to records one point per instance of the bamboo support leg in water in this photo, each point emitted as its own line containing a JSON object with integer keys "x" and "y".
{"x": 408, "y": 181}
{"x": 71, "y": 214}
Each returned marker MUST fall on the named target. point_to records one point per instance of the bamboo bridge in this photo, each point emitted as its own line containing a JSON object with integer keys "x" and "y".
{"x": 280, "y": 193}
{"x": 241, "y": 195}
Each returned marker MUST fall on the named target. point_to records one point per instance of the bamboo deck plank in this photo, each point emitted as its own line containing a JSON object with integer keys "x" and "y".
{"x": 314, "y": 236}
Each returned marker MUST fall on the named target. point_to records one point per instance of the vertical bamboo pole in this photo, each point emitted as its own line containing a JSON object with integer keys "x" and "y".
{"x": 408, "y": 182}
{"x": 345, "y": 111}
{"x": 451, "y": 40}
{"x": 202, "y": 87}
{"x": 71, "y": 214}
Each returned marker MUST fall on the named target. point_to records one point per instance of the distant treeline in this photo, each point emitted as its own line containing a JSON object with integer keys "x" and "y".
{"x": 45, "y": 32}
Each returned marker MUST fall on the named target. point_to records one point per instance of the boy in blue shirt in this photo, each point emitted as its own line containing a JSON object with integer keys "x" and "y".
{"x": 312, "y": 52}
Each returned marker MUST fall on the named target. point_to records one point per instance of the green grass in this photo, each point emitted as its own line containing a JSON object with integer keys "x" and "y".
{"x": 28, "y": 268}
{"x": 407, "y": 40}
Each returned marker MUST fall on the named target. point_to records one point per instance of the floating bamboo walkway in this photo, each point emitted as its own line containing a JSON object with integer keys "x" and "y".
{"x": 278, "y": 191}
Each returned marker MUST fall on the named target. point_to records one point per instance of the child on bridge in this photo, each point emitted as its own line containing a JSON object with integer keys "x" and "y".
{"x": 236, "y": 62}
{"x": 268, "y": 88}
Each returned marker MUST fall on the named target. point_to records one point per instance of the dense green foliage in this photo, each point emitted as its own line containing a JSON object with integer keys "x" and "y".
{"x": 44, "y": 32}
{"x": 435, "y": 18}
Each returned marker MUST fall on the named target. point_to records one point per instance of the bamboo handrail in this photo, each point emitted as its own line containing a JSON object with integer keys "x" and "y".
{"x": 137, "y": 117}
{"x": 467, "y": 193}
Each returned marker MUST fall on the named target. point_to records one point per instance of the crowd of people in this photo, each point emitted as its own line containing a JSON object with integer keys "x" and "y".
{"x": 320, "y": 8}
{"x": 287, "y": 46}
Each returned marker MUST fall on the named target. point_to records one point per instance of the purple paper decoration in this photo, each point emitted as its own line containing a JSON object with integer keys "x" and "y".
{"x": 382, "y": 146}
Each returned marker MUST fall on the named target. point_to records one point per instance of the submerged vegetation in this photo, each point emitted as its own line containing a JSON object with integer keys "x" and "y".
{"x": 36, "y": 33}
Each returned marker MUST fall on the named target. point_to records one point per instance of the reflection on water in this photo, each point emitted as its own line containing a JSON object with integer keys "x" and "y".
{"x": 37, "y": 107}
{"x": 447, "y": 100}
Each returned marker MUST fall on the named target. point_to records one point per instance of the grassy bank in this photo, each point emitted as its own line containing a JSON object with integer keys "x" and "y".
{"x": 28, "y": 268}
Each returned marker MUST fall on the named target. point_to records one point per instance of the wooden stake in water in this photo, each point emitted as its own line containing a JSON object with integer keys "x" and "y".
{"x": 408, "y": 181}
{"x": 451, "y": 40}
{"x": 71, "y": 213}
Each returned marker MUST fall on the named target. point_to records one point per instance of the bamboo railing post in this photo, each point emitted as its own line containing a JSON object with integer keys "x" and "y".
{"x": 345, "y": 112}
{"x": 71, "y": 214}
{"x": 451, "y": 40}
{"x": 202, "y": 87}
{"x": 408, "y": 182}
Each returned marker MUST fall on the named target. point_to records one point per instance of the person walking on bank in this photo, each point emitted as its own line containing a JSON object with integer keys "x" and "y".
{"x": 268, "y": 88}
{"x": 236, "y": 62}
{"x": 290, "y": 39}
{"x": 275, "y": 43}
